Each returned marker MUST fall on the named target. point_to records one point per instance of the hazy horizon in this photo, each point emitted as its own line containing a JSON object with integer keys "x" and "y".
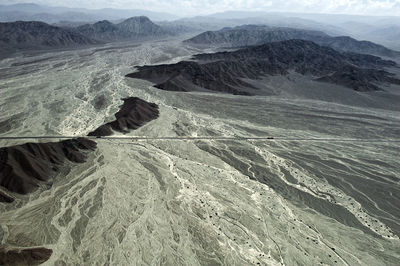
{"x": 206, "y": 7}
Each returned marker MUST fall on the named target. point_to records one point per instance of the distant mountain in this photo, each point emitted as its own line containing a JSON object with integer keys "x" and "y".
{"x": 348, "y": 44}
{"x": 127, "y": 13}
{"x": 332, "y": 19}
{"x": 205, "y": 23}
{"x": 141, "y": 26}
{"x": 50, "y": 18}
{"x": 132, "y": 28}
{"x": 255, "y": 35}
{"x": 390, "y": 33}
{"x": 387, "y": 34}
{"x": 22, "y": 35}
{"x": 227, "y": 71}
{"x": 50, "y": 14}
{"x": 250, "y": 35}
{"x": 39, "y": 35}
{"x": 102, "y": 30}
{"x": 24, "y": 7}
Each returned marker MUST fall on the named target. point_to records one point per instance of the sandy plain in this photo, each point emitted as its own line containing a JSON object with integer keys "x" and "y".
{"x": 324, "y": 191}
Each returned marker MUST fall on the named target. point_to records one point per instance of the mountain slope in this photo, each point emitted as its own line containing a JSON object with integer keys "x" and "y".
{"x": 129, "y": 29}
{"x": 133, "y": 114}
{"x": 102, "y": 30}
{"x": 225, "y": 71}
{"x": 255, "y": 35}
{"x": 23, "y": 168}
{"x": 38, "y": 35}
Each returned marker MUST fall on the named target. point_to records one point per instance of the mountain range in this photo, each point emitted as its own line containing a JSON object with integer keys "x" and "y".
{"x": 55, "y": 14}
{"x": 249, "y": 35}
{"x": 129, "y": 29}
{"x": 39, "y": 35}
{"x": 227, "y": 71}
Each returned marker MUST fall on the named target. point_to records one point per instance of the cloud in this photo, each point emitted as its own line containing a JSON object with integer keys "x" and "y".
{"x": 197, "y": 7}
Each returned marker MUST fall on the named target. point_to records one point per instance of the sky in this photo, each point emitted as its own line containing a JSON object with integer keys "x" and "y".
{"x": 197, "y": 7}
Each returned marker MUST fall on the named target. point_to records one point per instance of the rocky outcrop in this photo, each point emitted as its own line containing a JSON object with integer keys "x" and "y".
{"x": 24, "y": 167}
{"x": 225, "y": 71}
{"x": 133, "y": 114}
{"x": 192, "y": 76}
{"x": 4, "y": 197}
{"x": 250, "y": 35}
{"x": 12, "y": 256}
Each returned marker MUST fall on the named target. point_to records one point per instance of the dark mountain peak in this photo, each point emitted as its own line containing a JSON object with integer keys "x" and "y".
{"x": 141, "y": 26}
{"x": 133, "y": 23}
{"x": 141, "y": 20}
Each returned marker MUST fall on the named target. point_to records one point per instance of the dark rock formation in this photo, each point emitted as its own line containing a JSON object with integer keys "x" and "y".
{"x": 134, "y": 28}
{"x": 251, "y": 35}
{"x": 222, "y": 76}
{"x": 133, "y": 114}
{"x": 39, "y": 35}
{"x": 4, "y": 197}
{"x": 299, "y": 54}
{"x": 11, "y": 256}
{"x": 225, "y": 71}
{"x": 24, "y": 167}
